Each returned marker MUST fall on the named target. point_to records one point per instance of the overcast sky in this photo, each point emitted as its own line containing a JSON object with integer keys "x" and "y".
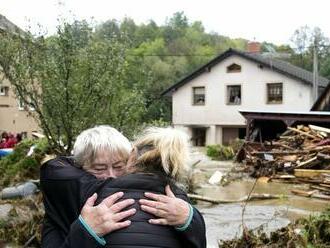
{"x": 263, "y": 20}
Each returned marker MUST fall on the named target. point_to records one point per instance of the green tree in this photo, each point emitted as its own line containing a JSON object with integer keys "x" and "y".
{"x": 73, "y": 80}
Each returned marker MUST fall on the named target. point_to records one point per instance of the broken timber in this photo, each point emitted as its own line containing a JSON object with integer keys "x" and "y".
{"x": 253, "y": 197}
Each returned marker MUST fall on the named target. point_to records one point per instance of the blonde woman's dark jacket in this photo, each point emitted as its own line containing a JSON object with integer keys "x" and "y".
{"x": 62, "y": 229}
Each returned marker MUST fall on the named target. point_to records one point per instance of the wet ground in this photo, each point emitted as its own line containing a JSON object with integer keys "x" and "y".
{"x": 224, "y": 221}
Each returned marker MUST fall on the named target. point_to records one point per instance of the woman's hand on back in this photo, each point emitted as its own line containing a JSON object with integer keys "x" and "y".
{"x": 169, "y": 209}
{"x": 107, "y": 216}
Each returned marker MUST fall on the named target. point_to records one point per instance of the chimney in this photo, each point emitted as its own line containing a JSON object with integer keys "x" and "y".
{"x": 253, "y": 47}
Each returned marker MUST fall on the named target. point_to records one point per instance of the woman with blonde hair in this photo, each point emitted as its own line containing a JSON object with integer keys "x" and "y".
{"x": 162, "y": 150}
{"x": 159, "y": 160}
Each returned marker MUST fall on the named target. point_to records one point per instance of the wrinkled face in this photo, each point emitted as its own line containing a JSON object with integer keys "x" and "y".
{"x": 107, "y": 165}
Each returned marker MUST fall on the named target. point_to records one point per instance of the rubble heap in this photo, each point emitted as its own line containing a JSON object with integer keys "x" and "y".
{"x": 301, "y": 147}
{"x": 300, "y": 155}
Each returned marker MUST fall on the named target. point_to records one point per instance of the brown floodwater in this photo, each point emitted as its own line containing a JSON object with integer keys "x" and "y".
{"x": 224, "y": 221}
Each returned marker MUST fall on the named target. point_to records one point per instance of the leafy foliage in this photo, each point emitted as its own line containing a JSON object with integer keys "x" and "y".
{"x": 73, "y": 80}
{"x": 17, "y": 166}
{"x": 220, "y": 152}
{"x": 310, "y": 232}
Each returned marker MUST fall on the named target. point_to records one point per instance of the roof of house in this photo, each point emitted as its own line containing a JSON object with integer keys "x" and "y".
{"x": 8, "y": 26}
{"x": 322, "y": 100}
{"x": 279, "y": 66}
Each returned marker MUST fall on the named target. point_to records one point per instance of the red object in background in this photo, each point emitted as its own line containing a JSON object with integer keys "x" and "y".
{"x": 2, "y": 143}
{"x": 11, "y": 142}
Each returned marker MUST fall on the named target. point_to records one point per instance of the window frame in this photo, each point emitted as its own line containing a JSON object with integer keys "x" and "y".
{"x": 227, "y": 94}
{"x": 194, "y": 103}
{"x": 20, "y": 103}
{"x": 4, "y": 90}
{"x": 237, "y": 70}
{"x": 268, "y": 85}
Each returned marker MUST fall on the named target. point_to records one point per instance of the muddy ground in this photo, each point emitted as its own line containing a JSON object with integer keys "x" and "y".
{"x": 224, "y": 221}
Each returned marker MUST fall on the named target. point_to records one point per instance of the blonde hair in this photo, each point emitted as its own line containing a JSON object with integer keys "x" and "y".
{"x": 168, "y": 146}
{"x": 103, "y": 137}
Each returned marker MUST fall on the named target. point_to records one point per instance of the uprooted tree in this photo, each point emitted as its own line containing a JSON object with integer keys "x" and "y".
{"x": 71, "y": 80}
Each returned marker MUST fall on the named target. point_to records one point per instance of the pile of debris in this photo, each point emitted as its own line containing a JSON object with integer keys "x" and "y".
{"x": 303, "y": 147}
{"x": 300, "y": 155}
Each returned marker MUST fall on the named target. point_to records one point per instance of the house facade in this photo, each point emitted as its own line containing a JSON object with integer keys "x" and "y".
{"x": 206, "y": 103}
{"x": 14, "y": 117}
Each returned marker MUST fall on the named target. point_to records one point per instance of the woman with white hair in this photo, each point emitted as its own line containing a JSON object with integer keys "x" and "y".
{"x": 67, "y": 183}
{"x": 158, "y": 159}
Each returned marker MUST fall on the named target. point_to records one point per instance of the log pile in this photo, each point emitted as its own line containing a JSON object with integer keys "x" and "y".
{"x": 300, "y": 155}
{"x": 301, "y": 147}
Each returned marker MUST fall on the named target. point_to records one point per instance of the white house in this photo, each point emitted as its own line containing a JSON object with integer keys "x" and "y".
{"x": 206, "y": 103}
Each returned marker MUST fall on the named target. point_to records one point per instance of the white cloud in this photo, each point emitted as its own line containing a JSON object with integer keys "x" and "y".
{"x": 272, "y": 21}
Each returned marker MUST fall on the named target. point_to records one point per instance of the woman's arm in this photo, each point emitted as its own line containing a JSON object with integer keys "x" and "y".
{"x": 65, "y": 194}
{"x": 175, "y": 211}
{"x": 78, "y": 237}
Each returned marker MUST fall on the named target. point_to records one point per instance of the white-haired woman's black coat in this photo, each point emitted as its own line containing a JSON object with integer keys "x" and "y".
{"x": 62, "y": 229}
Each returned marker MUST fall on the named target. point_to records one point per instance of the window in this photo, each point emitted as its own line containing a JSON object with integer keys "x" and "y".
{"x": 21, "y": 105}
{"x": 199, "y": 95}
{"x": 234, "y": 68}
{"x": 234, "y": 94}
{"x": 275, "y": 93}
{"x": 4, "y": 90}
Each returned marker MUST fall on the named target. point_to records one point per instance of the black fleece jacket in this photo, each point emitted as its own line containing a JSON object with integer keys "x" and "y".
{"x": 66, "y": 188}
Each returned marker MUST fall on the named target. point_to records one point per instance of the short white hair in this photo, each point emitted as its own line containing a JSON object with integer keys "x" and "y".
{"x": 103, "y": 137}
{"x": 168, "y": 145}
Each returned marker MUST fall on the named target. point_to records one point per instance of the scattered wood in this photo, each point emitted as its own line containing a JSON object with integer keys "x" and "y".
{"x": 324, "y": 189}
{"x": 300, "y": 155}
{"x": 311, "y": 194}
{"x": 321, "y": 129}
{"x": 302, "y": 132}
{"x": 321, "y": 196}
{"x": 325, "y": 185}
{"x": 323, "y": 157}
{"x": 309, "y": 173}
{"x": 303, "y": 193}
{"x": 263, "y": 179}
{"x": 284, "y": 177}
{"x": 307, "y": 162}
{"x": 253, "y": 197}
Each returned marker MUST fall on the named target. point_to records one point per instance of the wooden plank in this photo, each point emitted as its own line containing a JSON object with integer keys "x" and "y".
{"x": 280, "y": 152}
{"x": 321, "y": 196}
{"x": 307, "y": 162}
{"x": 309, "y": 173}
{"x": 320, "y": 188}
{"x": 325, "y": 185}
{"x": 321, "y": 129}
{"x": 302, "y": 192}
{"x": 284, "y": 177}
{"x": 282, "y": 145}
{"x": 253, "y": 197}
{"x": 290, "y": 158}
{"x": 302, "y": 133}
{"x": 323, "y": 157}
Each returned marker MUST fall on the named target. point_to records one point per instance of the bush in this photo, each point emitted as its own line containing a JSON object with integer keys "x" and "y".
{"x": 314, "y": 232}
{"x": 236, "y": 144}
{"x": 220, "y": 152}
{"x": 17, "y": 166}
{"x": 317, "y": 229}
